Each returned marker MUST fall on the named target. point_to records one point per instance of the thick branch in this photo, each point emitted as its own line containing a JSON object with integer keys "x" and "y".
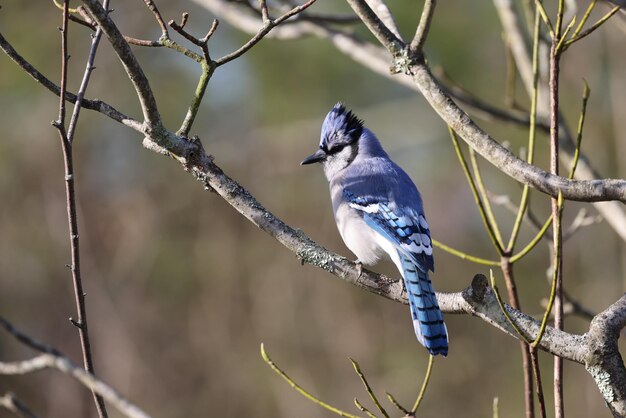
{"x": 132, "y": 67}
{"x": 502, "y": 158}
{"x": 384, "y": 14}
{"x": 384, "y": 35}
{"x": 612, "y": 212}
{"x": 477, "y": 300}
{"x": 604, "y": 361}
{"x": 422, "y": 80}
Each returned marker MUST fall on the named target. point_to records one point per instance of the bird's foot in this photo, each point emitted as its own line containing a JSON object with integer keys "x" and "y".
{"x": 359, "y": 268}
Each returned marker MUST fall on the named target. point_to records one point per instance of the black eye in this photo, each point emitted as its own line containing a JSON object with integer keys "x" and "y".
{"x": 335, "y": 148}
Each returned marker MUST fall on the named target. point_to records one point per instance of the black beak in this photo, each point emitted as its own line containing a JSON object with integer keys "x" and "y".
{"x": 318, "y": 156}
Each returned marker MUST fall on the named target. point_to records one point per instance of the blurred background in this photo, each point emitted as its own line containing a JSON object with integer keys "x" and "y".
{"x": 181, "y": 289}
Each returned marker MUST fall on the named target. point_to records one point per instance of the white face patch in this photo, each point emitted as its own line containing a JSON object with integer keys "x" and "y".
{"x": 336, "y": 162}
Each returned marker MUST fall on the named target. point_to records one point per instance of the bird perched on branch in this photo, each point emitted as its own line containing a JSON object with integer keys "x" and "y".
{"x": 379, "y": 211}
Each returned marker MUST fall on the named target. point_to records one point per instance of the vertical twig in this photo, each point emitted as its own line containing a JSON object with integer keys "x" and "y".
{"x": 70, "y": 192}
{"x": 483, "y": 193}
{"x": 95, "y": 41}
{"x": 535, "y": 364}
{"x": 417, "y": 44}
{"x": 368, "y": 388}
{"x": 527, "y": 367}
{"x": 556, "y": 216}
{"x": 531, "y": 133}
{"x": 420, "y": 397}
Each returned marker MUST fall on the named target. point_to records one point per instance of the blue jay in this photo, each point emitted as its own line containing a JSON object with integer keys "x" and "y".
{"x": 379, "y": 211}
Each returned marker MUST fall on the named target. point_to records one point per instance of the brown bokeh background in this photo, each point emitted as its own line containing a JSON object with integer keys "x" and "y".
{"x": 181, "y": 289}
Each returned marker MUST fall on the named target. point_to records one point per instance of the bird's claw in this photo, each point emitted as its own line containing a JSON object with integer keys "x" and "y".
{"x": 359, "y": 268}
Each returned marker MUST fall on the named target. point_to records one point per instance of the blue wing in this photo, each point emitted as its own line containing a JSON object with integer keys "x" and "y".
{"x": 409, "y": 233}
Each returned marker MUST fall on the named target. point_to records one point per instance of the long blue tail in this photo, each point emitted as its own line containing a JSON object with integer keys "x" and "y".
{"x": 427, "y": 318}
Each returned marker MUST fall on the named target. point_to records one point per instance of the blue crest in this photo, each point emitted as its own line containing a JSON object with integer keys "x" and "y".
{"x": 340, "y": 128}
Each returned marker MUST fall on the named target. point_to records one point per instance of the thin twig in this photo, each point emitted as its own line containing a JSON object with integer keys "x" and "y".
{"x": 363, "y": 409}
{"x": 537, "y": 372}
{"x": 265, "y": 14}
{"x": 157, "y": 15}
{"x": 589, "y": 31}
{"x": 557, "y": 208}
{"x": 479, "y": 203}
{"x": 70, "y": 193}
{"x": 395, "y": 403}
{"x": 56, "y": 360}
{"x": 417, "y": 44}
{"x": 207, "y": 64}
{"x": 85, "y": 81}
{"x": 97, "y": 105}
{"x": 483, "y": 193}
{"x": 580, "y": 26}
{"x": 265, "y": 29}
{"x": 420, "y": 396}
{"x": 527, "y": 359}
{"x": 10, "y": 402}
{"x": 513, "y": 324}
{"x": 269, "y": 362}
{"x": 464, "y": 256}
{"x": 531, "y": 135}
{"x": 368, "y": 388}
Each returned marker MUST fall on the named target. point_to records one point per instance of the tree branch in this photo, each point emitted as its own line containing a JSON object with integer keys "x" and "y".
{"x": 417, "y": 44}
{"x": 384, "y": 35}
{"x": 97, "y": 105}
{"x": 268, "y": 25}
{"x": 70, "y": 192}
{"x": 502, "y": 158}
{"x": 422, "y": 80}
{"x": 604, "y": 361}
{"x": 52, "y": 358}
{"x": 132, "y": 67}
{"x": 384, "y": 14}
{"x": 612, "y": 212}
{"x": 10, "y": 402}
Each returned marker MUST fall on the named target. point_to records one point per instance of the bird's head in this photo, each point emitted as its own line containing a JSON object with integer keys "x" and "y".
{"x": 339, "y": 143}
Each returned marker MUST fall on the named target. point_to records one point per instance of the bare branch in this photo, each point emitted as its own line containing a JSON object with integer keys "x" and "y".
{"x": 517, "y": 40}
{"x": 612, "y": 211}
{"x": 9, "y": 401}
{"x": 132, "y": 67}
{"x": 265, "y": 29}
{"x": 157, "y": 15}
{"x": 95, "y": 41}
{"x": 605, "y": 363}
{"x": 502, "y": 158}
{"x": 52, "y": 358}
{"x": 97, "y": 105}
{"x": 384, "y": 14}
{"x": 423, "y": 81}
{"x": 384, "y": 35}
{"x": 248, "y": 20}
{"x": 417, "y": 44}
{"x": 70, "y": 193}
{"x": 34, "y": 364}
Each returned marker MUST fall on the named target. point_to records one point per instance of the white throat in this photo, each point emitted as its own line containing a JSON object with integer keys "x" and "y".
{"x": 339, "y": 161}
